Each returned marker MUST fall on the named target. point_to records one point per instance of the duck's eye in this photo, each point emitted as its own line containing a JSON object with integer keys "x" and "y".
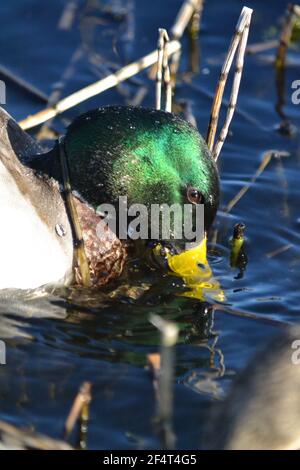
{"x": 194, "y": 196}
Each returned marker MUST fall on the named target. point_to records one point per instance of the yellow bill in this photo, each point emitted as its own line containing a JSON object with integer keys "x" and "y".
{"x": 192, "y": 266}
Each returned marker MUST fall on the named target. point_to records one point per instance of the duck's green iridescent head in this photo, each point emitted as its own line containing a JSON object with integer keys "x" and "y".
{"x": 152, "y": 157}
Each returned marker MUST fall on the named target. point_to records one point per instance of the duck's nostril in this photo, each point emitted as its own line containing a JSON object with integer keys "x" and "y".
{"x": 158, "y": 256}
{"x": 164, "y": 251}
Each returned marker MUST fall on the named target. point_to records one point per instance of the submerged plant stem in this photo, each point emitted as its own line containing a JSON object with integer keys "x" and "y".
{"x": 169, "y": 335}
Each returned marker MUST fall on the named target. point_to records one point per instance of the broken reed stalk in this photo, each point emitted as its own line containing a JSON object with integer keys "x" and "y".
{"x": 174, "y": 67}
{"x": 235, "y": 89}
{"x": 169, "y": 335}
{"x": 183, "y": 18}
{"x": 79, "y": 410}
{"x": 194, "y": 24}
{"x": 98, "y": 87}
{"x": 167, "y": 76}
{"x": 292, "y": 13}
{"x": 190, "y": 13}
{"x": 159, "y": 73}
{"x": 163, "y": 71}
{"x": 239, "y": 40}
{"x": 193, "y": 33}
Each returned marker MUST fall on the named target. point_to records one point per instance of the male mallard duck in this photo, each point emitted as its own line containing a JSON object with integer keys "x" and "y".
{"x": 152, "y": 157}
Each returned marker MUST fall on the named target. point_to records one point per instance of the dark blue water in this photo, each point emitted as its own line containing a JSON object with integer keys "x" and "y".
{"x": 54, "y": 344}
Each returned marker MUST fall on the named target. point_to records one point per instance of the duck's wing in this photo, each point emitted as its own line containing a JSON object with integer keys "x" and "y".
{"x": 31, "y": 207}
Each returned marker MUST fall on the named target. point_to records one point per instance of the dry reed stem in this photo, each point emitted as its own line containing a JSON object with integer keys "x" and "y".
{"x": 292, "y": 13}
{"x": 174, "y": 67}
{"x": 167, "y": 76}
{"x": 96, "y": 88}
{"x": 184, "y": 16}
{"x": 159, "y": 72}
{"x": 239, "y": 36}
{"x": 258, "y": 47}
{"x": 163, "y": 71}
{"x": 190, "y": 12}
{"x": 193, "y": 34}
{"x": 284, "y": 41}
{"x": 169, "y": 335}
{"x": 279, "y": 251}
{"x": 235, "y": 87}
{"x": 285, "y": 36}
{"x": 195, "y": 21}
